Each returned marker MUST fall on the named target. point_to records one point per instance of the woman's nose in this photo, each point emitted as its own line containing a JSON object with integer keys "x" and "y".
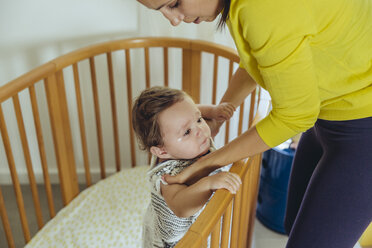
{"x": 174, "y": 17}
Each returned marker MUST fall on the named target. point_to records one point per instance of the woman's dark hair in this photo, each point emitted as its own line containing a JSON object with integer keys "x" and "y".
{"x": 225, "y": 14}
{"x": 145, "y": 113}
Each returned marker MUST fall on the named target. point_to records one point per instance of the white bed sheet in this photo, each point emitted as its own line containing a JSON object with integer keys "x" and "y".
{"x": 108, "y": 214}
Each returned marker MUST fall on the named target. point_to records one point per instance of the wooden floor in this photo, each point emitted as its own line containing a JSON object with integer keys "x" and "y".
{"x": 12, "y": 211}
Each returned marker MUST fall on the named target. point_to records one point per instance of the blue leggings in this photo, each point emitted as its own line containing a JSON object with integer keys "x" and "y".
{"x": 330, "y": 189}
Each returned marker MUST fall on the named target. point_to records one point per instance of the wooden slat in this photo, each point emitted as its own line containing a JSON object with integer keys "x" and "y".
{"x": 253, "y": 188}
{"x": 259, "y": 97}
{"x": 62, "y": 143}
{"x": 227, "y": 127}
{"x": 98, "y": 118}
{"x": 40, "y": 141}
{"x": 226, "y": 222}
{"x": 83, "y": 138}
{"x": 166, "y": 64}
{"x": 27, "y": 156}
{"x": 241, "y": 117}
{"x": 191, "y": 61}
{"x": 214, "y": 87}
{"x": 13, "y": 174}
{"x": 236, "y": 220}
{"x": 5, "y": 220}
{"x": 215, "y": 237}
{"x": 129, "y": 101}
{"x": 114, "y": 111}
{"x": 252, "y": 107}
{"x": 245, "y": 206}
{"x": 147, "y": 67}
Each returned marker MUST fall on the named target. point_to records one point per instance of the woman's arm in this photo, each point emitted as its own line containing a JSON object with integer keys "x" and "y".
{"x": 241, "y": 85}
{"x": 185, "y": 200}
{"x": 246, "y": 145}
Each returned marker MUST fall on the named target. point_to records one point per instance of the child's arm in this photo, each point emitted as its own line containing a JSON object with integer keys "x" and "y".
{"x": 185, "y": 200}
{"x": 220, "y": 112}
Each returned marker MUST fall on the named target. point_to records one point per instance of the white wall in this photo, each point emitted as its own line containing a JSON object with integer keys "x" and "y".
{"x": 34, "y": 32}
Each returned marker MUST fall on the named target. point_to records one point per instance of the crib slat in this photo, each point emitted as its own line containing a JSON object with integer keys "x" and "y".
{"x": 214, "y": 88}
{"x": 39, "y": 134}
{"x": 245, "y": 210}
{"x": 166, "y": 76}
{"x": 129, "y": 100}
{"x": 252, "y": 107}
{"x": 98, "y": 117}
{"x": 241, "y": 116}
{"x": 114, "y": 111}
{"x": 254, "y": 180}
{"x": 26, "y": 153}
{"x": 147, "y": 67}
{"x": 227, "y": 127}
{"x": 236, "y": 220}
{"x": 226, "y": 222}
{"x": 5, "y": 220}
{"x": 259, "y": 97}
{"x": 13, "y": 174}
{"x": 82, "y": 125}
{"x": 191, "y": 61}
{"x": 215, "y": 238}
{"x": 231, "y": 67}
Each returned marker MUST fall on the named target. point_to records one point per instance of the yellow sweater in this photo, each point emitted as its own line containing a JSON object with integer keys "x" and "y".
{"x": 314, "y": 57}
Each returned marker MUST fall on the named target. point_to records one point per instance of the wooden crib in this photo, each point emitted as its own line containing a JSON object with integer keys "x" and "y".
{"x": 228, "y": 219}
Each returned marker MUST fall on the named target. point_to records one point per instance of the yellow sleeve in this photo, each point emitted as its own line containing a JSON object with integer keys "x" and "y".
{"x": 278, "y": 35}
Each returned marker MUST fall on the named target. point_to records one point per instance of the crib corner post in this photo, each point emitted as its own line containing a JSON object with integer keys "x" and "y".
{"x": 58, "y": 113}
{"x": 191, "y": 61}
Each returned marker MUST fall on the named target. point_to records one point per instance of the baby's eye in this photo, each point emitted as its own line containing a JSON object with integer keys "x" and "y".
{"x": 200, "y": 119}
{"x": 175, "y": 5}
{"x": 188, "y": 131}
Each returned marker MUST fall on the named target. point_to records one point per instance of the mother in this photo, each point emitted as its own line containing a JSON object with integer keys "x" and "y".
{"x": 315, "y": 59}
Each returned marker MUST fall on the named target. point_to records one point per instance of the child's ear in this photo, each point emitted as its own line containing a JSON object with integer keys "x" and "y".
{"x": 160, "y": 152}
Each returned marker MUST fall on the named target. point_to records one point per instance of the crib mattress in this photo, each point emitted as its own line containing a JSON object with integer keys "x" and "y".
{"x": 108, "y": 214}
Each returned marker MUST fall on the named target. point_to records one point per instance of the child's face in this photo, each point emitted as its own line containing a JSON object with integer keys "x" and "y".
{"x": 185, "y": 134}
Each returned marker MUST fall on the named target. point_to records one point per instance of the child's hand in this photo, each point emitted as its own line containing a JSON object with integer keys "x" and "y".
{"x": 223, "y": 112}
{"x": 225, "y": 180}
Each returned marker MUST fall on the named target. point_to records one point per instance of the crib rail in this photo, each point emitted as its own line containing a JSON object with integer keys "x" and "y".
{"x": 37, "y": 109}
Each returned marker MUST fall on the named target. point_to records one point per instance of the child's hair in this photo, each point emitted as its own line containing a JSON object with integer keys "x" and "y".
{"x": 145, "y": 112}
